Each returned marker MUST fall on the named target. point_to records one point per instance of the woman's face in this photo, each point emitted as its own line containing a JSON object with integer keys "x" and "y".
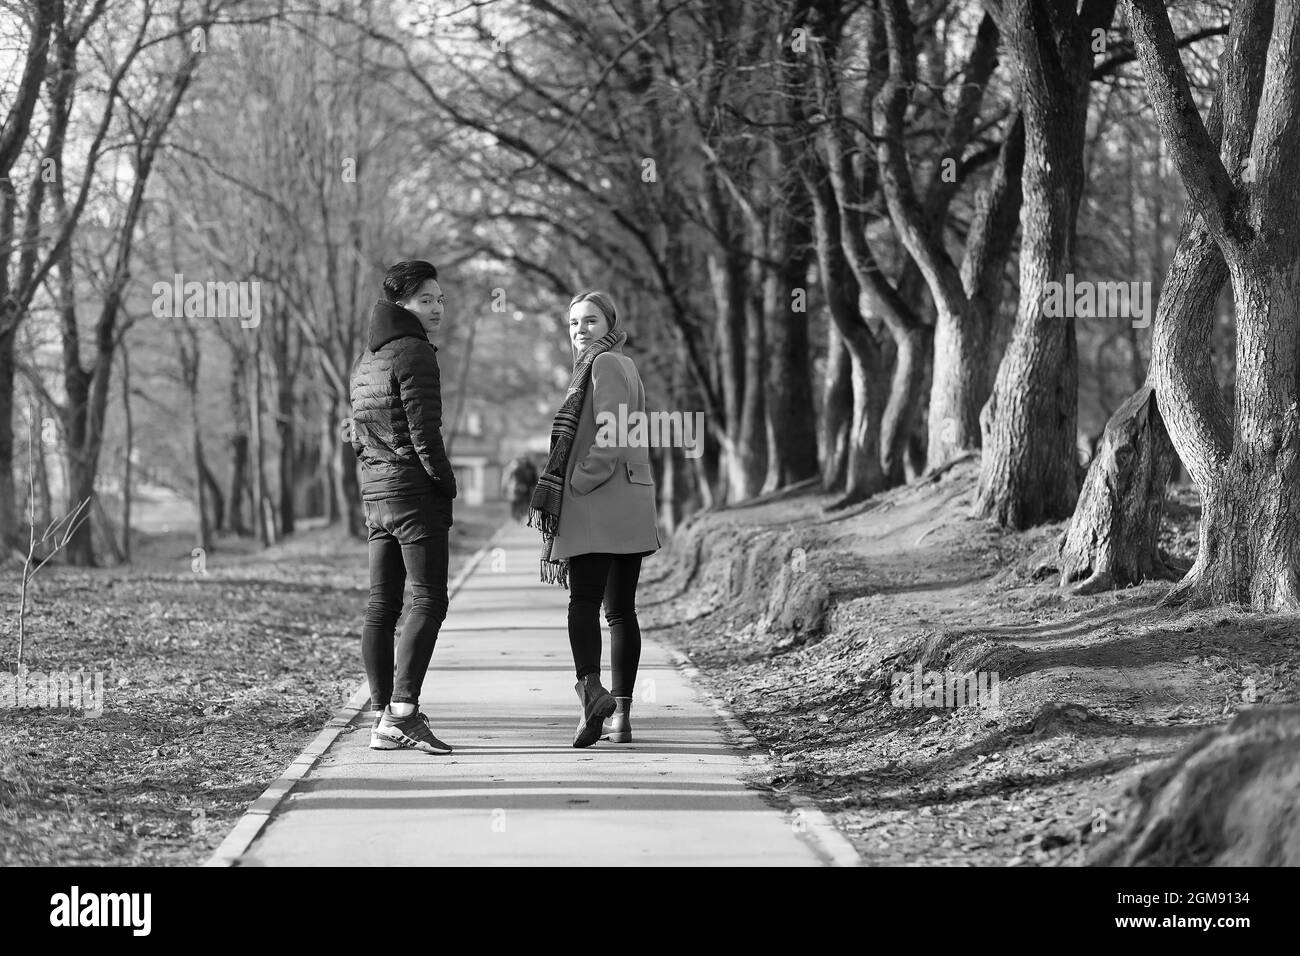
{"x": 427, "y": 304}
{"x": 586, "y": 324}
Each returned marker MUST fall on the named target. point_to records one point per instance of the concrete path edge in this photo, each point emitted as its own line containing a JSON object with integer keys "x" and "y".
{"x": 255, "y": 818}
{"x": 808, "y": 820}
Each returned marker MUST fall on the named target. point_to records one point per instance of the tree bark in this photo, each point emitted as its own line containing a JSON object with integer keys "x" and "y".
{"x": 1111, "y": 540}
{"x": 837, "y": 410}
{"x": 128, "y": 443}
{"x": 790, "y": 412}
{"x": 1028, "y": 472}
{"x": 239, "y": 458}
{"x": 1244, "y": 193}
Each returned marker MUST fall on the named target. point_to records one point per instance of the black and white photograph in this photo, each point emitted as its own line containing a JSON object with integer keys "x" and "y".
{"x": 610, "y": 434}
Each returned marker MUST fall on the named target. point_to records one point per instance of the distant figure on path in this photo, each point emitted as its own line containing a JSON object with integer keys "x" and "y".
{"x": 595, "y": 506}
{"x": 517, "y": 483}
{"x": 407, "y": 486}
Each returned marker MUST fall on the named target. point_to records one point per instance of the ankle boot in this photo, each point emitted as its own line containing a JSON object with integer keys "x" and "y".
{"x": 619, "y": 730}
{"x": 597, "y": 704}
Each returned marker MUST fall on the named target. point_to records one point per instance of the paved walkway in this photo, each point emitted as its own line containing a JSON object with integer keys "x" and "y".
{"x": 500, "y": 690}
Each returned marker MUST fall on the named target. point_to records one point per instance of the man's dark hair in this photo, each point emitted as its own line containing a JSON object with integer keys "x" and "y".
{"x": 404, "y": 279}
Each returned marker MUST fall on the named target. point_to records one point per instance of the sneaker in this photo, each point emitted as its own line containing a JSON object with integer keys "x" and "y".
{"x": 379, "y": 742}
{"x": 412, "y": 732}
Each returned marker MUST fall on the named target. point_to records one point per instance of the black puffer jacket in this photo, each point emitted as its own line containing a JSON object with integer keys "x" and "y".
{"x": 397, "y": 410}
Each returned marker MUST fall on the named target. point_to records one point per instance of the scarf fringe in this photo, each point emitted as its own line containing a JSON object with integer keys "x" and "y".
{"x": 556, "y": 572}
{"x": 543, "y": 521}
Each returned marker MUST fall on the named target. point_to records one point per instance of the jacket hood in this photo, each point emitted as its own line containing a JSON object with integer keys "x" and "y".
{"x": 389, "y": 321}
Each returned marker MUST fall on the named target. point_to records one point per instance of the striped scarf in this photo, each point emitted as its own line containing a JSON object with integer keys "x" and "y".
{"x": 548, "y": 495}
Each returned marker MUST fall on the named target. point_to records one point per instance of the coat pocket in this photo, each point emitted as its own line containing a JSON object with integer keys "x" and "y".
{"x": 640, "y": 472}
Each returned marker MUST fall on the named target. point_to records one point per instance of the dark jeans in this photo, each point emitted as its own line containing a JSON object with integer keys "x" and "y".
{"x": 408, "y": 539}
{"x": 610, "y": 578}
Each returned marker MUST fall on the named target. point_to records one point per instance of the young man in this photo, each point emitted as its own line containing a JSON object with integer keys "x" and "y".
{"x": 407, "y": 487}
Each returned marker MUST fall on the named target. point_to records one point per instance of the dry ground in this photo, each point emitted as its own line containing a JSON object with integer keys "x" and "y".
{"x": 1094, "y": 691}
{"x": 213, "y": 684}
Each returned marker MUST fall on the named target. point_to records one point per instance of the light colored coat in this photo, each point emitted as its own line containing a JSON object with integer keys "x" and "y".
{"x": 609, "y": 492}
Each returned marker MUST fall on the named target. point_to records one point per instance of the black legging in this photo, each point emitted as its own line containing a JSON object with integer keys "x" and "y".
{"x": 424, "y": 563}
{"x": 611, "y": 578}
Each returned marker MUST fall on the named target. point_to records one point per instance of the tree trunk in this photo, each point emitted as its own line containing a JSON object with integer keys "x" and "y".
{"x": 286, "y": 425}
{"x": 749, "y": 444}
{"x": 239, "y": 458}
{"x": 45, "y": 501}
{"x": 837, "y": 410}
{"x": 791, "y": 415}
{"x": 906, "y": 395}
{"x": 1029, "y": 472}
{"x": 867, "y": 371}
{"x": 961, "y": 382}
{"x": 9, "y": 535}
{"x": 1250, "y": 521}
{"x": 260, "y": 504}
{"x": 328, "y": 471}
{"x": 1111, "y": 540}
{"x": 865, "y": 476}
{"x": 128, "y": 442}
{"x": 201, "y": 489}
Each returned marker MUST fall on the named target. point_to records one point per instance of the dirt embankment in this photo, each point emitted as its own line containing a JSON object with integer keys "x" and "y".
{"x": 1098, "y": 722}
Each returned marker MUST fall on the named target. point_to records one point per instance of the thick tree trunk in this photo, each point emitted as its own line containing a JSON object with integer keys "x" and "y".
{"x": 961, "y": 381}
{"x": 1249, "y": 549}
{"x": 1111, "y": 541}
{"x": 791, "y": 414}
{"x": 906, "y": 395}
{"x": 80, "y": 550}
{"x": 1029, "y": 472}
{"x": 837, "y": 410}
{"x": 863, "y": 476}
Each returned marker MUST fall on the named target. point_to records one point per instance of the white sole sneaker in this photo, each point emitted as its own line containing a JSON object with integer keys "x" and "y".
{"x": 396, "y": 737}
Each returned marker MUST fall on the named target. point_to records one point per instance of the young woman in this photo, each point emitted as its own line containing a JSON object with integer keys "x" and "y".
{"x": 407, "y": 486}
{"x": 595, "y": 506}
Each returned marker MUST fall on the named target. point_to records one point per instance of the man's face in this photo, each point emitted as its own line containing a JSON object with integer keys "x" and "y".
{"x": 427, "y": 305}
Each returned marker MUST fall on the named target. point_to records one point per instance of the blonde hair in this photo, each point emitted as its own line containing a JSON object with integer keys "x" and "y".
{"x": 602, "y": 301}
